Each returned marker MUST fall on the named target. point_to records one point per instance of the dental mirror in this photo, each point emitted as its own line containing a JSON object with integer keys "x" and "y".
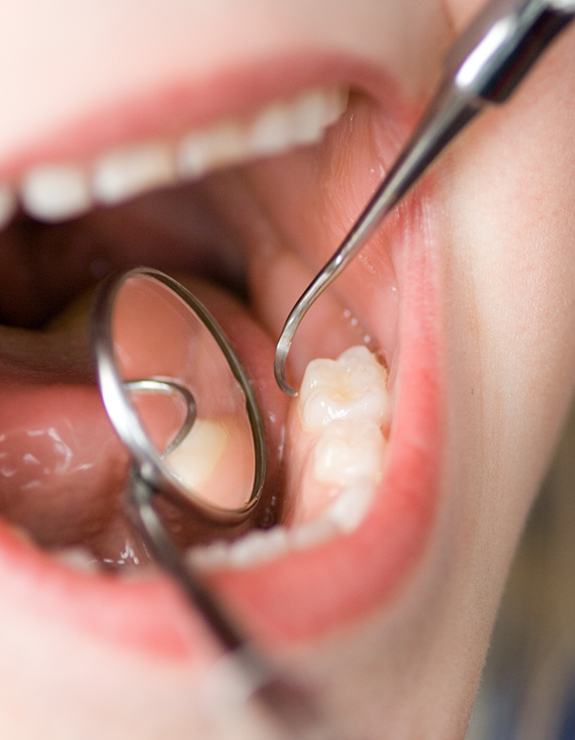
{"x": 178, "y": 397}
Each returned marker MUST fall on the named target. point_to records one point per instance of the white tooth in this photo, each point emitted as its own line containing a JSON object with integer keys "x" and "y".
{"x": 349, "y": 451}
{"x": 254, "y": 548}
{"x": 257, "y": 547}
{"x": 128, "y": 172}
{"x": 277, "y": 540}
{"x": 210, "y": 557}
{"x": 78, "y": 558}
{"x": 220, "y": 146}
{"x": 7, "y": 204}
{"x": 54, "y": 192}
{"x": 196, "y": 457}
{"x": 351, "y": 506}
{"x": 312, "y": 533}
{"x": 336, "y": 104}
{"x": 309, "y": 117}
{"x": 351, "y": 387}
{"x": 271, "y": 131}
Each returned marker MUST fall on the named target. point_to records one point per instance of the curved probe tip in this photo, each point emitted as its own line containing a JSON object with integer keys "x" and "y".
{"x": 280, "y": 360}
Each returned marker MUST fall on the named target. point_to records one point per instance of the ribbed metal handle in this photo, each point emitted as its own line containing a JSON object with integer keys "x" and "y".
{"x": 495, "y": 53}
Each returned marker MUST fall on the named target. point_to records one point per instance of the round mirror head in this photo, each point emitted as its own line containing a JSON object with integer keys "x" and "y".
{"x": 178, "y": 396}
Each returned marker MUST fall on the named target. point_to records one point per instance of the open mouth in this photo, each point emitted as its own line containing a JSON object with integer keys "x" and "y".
{"x": 242, "y": 202}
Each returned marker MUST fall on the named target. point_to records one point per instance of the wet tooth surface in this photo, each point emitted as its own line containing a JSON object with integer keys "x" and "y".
{"x": 349, "y": 451}
{"x": 353, "y": 387}
{"x": 52, "y": 193}
{"x": 126, "y": 172}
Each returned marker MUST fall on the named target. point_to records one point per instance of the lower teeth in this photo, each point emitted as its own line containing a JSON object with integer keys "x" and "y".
{"x": 333, "y": 496}
{"x": 337, "y": 446}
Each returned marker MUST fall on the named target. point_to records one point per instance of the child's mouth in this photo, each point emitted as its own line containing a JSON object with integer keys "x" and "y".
{"x": 243, "y": 200}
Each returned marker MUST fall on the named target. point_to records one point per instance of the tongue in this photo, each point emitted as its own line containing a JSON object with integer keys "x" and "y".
{"x": 62, "y": 467}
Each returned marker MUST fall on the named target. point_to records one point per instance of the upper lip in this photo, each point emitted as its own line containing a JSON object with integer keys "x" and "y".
{"x": 403, "y": 514}
{"x": 173, "y": 106}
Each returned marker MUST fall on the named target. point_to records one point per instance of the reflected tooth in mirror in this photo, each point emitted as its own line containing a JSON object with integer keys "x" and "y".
{"x": 55, "y": 192}
{"x": 7, "y": 204}
{"x": 124, "y": 173}
{"x": 168, "y": 361}
{"x": 197, "y": 457}
{"x": 337, "y": 104}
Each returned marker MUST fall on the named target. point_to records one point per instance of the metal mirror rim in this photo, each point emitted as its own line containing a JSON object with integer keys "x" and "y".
{"x": 124, "y": 417}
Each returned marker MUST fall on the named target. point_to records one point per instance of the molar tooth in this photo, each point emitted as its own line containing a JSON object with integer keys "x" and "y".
{"x": 312, "y": 533}
{"x": 123, "y": 173}
{"x": 351, "y": 387}
{"x": 350, "y": 507}
{"x": 271, "y": 131}
{"x": 7, "y": 204}
{"x": 347, "y": 451}
{"x": 315, "y": 111}
{"x": 258, "y": 547}
{"x": 337, "y": 103}
{"x": 309, "y": 119}
{"x": 55, "y": 192}
{"x": 196, "y": 457}
{"x": 210, "y": 557}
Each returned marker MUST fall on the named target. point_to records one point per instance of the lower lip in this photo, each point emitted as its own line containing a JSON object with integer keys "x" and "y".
{"x": 331, "y": 584}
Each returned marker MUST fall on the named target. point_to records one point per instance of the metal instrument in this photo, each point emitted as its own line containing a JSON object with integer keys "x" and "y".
{"x": 291, "y": 708}
{"x": 484, "y": 67}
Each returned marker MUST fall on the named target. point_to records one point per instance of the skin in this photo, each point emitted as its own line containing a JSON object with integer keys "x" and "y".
{"x": 501, "y": 203}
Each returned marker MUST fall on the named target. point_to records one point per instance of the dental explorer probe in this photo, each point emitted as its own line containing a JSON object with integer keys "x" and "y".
{"x": 484, "y": 66}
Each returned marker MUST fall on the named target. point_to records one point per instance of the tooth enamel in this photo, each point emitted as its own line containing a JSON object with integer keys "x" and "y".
{"x": 64, "y": 190}
{"x": 199, "y": 152}
{"x": 78, "y": 558}
{"x": 351, "y": 506}
{"x": 195, "y": 459}
{"x": 210, "y": 557}
{"x": 7, "y": 204}
{"x": 347, "y": 451}
{"x": 314, "y": 111}
{"x": 131, "y": 171}
{"x": 271, "y": 131}
{"x": 312, "y": 533}
{"x": 345, "y": 402}
{"x": 274, "y": 129}
{"x": 257, "y": 547}
{"x": 351, "y": 387}
{"x": 55, "y": 192}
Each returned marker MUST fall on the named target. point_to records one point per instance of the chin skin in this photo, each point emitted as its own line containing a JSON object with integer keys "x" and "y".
{"x": 502, "y": 248}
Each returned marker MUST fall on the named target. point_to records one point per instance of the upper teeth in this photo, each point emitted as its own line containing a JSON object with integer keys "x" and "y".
{"x": 59, "y": 190}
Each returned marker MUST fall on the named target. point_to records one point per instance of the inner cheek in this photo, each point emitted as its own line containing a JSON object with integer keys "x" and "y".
{"x": 311, "y": 200}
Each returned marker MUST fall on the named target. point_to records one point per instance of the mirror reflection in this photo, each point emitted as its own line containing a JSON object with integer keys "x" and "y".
{"x": 186, "y": 396}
